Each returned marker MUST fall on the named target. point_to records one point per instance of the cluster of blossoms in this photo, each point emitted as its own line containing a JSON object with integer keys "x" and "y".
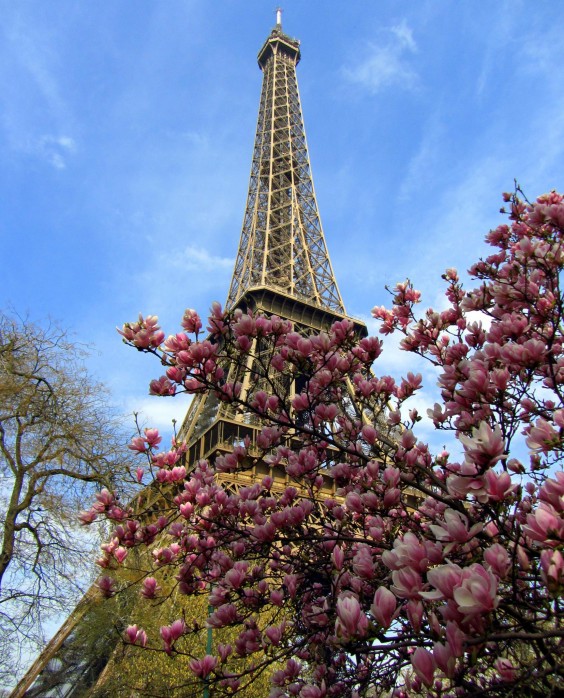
{"x": 377, "y": 568}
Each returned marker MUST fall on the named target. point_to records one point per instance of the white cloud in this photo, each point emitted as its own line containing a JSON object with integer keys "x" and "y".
{"x": 54, "y": 149}
{"x": 191, "y": 277}
{"x": 387, "y": 62}
{"x": 32, "y": 99}
{"x": 199, "y": 259}
{"x": 159, "y": 412}
{"x": 405, "y": 36}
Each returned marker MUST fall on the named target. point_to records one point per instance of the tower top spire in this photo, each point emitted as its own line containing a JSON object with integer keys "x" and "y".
{"x": 282, "y": 261}
{"x": 278, "y": 41}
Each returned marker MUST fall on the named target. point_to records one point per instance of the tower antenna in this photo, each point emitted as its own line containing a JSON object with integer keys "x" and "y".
{"x": 279, "y": 17}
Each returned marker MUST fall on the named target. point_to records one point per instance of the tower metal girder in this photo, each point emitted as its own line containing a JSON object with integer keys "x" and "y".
{"x": 282, "y": 246}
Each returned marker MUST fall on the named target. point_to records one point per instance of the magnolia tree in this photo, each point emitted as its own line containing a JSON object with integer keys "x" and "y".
{"x": 419, "y": 575}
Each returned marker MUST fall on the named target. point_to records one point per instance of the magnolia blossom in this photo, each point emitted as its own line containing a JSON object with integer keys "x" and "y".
{"x": 455, "y": 528}
{"x": 136, "y": 636}
{"x": 477, "y": 592}
{"x": 542, "y": 436}
{"x": 107, "y": 586}
{"x": 552, "y": 564}
{"x": 424, "y": 664}
{"x": 383, "y": 607}
{"x": 444, "y": 658}
{"x": 545, "y": 523}
{"x": 498, "y": 560}
{"x": 150, "y": 588}
{"x": 407, "y": 583}
{"x": 351, "y": 620}
{"x": 446, "y": 579}
{"x": 326, "y": 529}
{"x": 191, "y": 321}
{"x": 143, "y": 334}
{"x": 505, "y": 669}
{"x": 203, "y": 667}
{"x": 171, "y": 633}
{"x": 485, "y": 446}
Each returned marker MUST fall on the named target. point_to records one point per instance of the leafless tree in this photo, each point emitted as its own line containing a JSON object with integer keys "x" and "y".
{"x": 60, "y": 441}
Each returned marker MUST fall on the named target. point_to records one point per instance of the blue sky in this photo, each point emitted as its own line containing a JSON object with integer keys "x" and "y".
{"x": 126, "y": 133}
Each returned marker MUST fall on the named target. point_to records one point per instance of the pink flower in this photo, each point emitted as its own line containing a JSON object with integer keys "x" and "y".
{"x": 120, "y": 554}
{"x": 445, "y": 578}
{"x": 424, "y": 665}
{"x": 225, "y": 615}
{"x": 203, "y": 667}
{"x": 409, "y": 551}
{"x": 277, "y": 597}
{"x": 552, "y": 491}
{"x": 552, "y": 566}
{"x": 542, "y": 437}
{"x": 338, "y": 557}
{"x": 354, "y": 502}
{"x": 144, "y": 334}
{"x": 351, "y": 620}
{"x": 408, "y": 439}
{"x": 485, "y": 446}
{"x": 467, "y": 482}
{"x": 177, "y": 629}
{"x": 104, "y": 499}
{"x": 186, "y": 510}
{"x": 363, "y": 564}
{"x": 407, "y": 583}
{"x": 392, "y": 497}
{"x": 437, "y": 414}
{"x": 444, "y": 658}
{"x": 478, "y": 591}
{"x": 455, "y": 528}
{"x": 383, "y": 607}
{"x": 369, "y": 434}
{"x": 136, "y": 636}
{"x": 87, "y": 517}
{"x": 544, "y": 523}
{"x": 505, "y": 669}
{"x": 171, "y": 633}
{"x": 191, "y": 321}
{"x": 414, "y": 610}
{"x": 498, "y": 487}
{"x": 106, "y": 586}
{"x": 150, "y": 588}
{"x": 498, "y": 560}
{"x": 274, "y": 633}
{"x": 235, "y": 577}
{"x": 153, "y": 438}
{"x": 138, "y": 444}
{"x": 224, "y": 651}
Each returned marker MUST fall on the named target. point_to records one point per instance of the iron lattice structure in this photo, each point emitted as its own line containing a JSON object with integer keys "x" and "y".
{"x": 282, "y": 244}
{"x": 282, "y": 267}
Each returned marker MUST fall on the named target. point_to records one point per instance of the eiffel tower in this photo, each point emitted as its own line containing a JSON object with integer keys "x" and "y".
{"x": 283, "y": 268}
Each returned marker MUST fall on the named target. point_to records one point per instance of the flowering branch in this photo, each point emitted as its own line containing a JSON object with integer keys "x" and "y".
{"x": 361, "y": 561}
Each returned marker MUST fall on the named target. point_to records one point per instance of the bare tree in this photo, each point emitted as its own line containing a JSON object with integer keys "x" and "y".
{"x": 59, "y": 441}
